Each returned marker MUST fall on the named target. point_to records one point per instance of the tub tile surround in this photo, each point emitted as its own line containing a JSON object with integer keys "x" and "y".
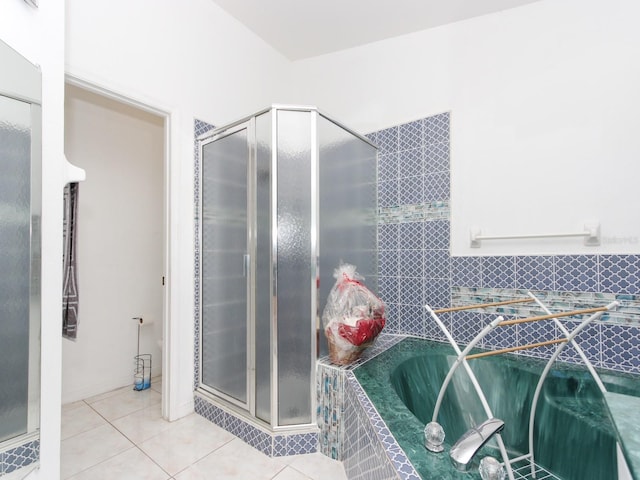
{"x": 350, "y": 428}
{"x": 368, "y": 401}
{"x": 371, "y": 451}
{"x": 622, "y": 410}
{"x": 330, "y": 394}
{"x": 371, "y": 426}
{"x": 416, "y": 267}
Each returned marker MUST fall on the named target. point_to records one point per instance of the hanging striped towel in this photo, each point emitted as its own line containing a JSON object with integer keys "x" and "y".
{"x": 70, "y": 282}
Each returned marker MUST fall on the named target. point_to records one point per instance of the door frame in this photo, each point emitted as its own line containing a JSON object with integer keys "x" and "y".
{"x": 170, "y": 410}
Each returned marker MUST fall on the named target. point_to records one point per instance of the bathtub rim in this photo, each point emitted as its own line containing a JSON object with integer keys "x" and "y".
{"x": 411, "y": 425}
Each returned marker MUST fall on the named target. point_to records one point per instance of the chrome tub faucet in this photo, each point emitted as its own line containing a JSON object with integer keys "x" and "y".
{"x": 473, "y": 440}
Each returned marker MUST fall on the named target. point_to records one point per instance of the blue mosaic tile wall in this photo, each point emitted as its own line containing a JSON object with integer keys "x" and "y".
{"x": 416, "y": 268}
{"x": 413, "y": 231}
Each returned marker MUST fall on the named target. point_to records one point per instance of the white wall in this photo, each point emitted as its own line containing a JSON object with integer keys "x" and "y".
{"x": 39, "y": 36}
{"x": 188, "y": 59}
{"x": 500, "y": 76}
{"x": 191, "y": 60}
{"x": 190, "y": 56}
{"x": 544, "y": 103}
{"x": 120, "y": 241}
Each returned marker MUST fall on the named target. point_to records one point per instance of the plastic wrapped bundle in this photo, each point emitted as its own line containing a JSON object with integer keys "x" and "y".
{"x": 353, "y": 316}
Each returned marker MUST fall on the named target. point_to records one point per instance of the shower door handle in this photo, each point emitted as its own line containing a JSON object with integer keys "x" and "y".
{"x": 246, "y": 264}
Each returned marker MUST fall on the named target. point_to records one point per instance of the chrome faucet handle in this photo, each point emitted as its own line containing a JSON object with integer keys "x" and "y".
{"x": 491, "y": 469}
{"x": 472, "y": 441}
{"x": 434, "y": 437}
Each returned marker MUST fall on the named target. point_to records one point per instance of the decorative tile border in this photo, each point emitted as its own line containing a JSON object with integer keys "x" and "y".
{"x": 612, "y": 341}
{"x": 270, "y": 443}
{"x": 330, "y": 409}
{"x": 435, "y": 210}
{"x": 199, "y": 127}
{"x": 628, "y": 313}
{"x": 19, "y": 457}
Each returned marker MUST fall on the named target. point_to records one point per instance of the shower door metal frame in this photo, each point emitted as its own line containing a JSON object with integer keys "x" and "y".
{"x": 314, "y": 313}
{"x": 249, "y": 126}
{"x": 21, "y": 82}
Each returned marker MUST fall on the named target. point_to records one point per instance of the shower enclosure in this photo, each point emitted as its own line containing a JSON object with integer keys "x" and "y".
{"x": 20, "y": 207}
{"x": 286, "y": 194}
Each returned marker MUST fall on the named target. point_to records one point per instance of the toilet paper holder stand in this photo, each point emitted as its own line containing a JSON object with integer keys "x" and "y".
{"x": 142, "y": 364}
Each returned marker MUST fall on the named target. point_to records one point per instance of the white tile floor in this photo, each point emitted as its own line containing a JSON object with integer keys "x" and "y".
{"x": 121, "y": 435}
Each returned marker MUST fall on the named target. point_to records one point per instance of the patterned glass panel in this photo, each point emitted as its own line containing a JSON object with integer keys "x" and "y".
{"x": 347, "y": 208}
{"x": 224, "y": 270}
{"x": 294, "y": 267}
{"x": 263, "y": 267}
{"x": 15, "y": 225}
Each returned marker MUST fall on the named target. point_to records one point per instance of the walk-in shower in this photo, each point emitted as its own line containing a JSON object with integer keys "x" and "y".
{"x": 20, "y": 207}
{"x": 285, "y": 195}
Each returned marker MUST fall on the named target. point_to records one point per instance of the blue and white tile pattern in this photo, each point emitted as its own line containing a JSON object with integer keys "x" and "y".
{"x": 199, "y": 128}
{"x": 19, "y": 457}
{"x": 415, "y": 267}
{"x": 413, "y": 224}
{"x": 269, "y": 443}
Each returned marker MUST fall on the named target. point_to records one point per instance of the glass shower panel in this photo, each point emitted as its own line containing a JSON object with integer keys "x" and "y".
{"x": 281, "y": 191}
{"x": 295, "y": 269}
{"x": 15, "y": 229}
{"x": 225, "y": 266}
{"x": 347, "y": 204}
{"x": 263, "y": 267}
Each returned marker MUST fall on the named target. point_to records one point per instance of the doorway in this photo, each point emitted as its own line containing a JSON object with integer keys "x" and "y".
{"x": 121, "y": 241}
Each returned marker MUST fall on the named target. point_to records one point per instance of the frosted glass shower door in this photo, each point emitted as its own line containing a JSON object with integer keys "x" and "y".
{"x": 226, "y": 266}
{"x": 15, "y": 264}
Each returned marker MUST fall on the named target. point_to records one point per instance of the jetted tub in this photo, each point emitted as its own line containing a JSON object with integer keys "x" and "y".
{"x": 574, "y": 437}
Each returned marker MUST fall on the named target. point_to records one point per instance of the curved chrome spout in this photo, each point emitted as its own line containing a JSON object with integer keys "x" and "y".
{"x": 472, "y": 441}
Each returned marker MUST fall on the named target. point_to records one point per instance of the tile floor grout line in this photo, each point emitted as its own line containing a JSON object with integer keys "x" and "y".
{"x": 106, "y": 395}
{"x": 204, "y": 456}
{"x": 135, "y": 444}
{"x": 156, "y": 463}
{"x": 127, "y": 414}
{"x": 89, "y": 430}
{"x": 299, "y": 471}
{"x": 109, "y": 422}
{"x": 96, "y": 464}
{"x": 281, "y": 470}
{"x": 284, "y": 468}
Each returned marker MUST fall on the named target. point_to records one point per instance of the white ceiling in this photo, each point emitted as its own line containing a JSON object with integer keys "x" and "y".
{"x": 306, "y": 28}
